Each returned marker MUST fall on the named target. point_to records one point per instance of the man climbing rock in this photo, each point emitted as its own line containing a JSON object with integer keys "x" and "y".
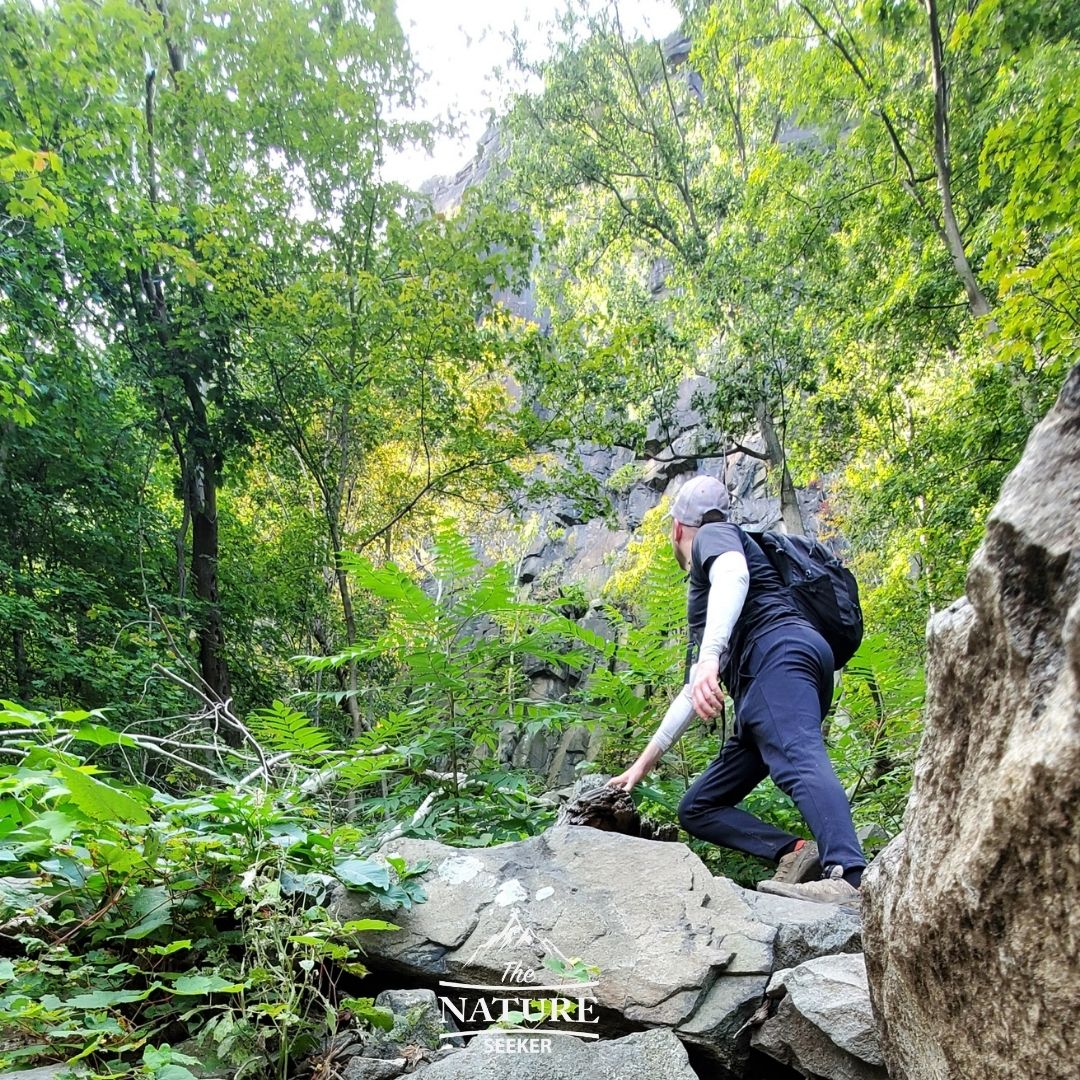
{"x": 779, "y": 672}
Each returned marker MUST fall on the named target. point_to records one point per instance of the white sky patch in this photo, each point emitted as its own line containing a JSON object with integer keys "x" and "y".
{"x": 464, "y": 47}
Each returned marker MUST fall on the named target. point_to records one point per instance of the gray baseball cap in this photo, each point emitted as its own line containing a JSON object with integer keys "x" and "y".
{"x": 696, "y": 498}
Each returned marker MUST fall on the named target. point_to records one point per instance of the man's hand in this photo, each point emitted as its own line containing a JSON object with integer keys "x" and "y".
{"x": 705, "y": 692}
{"x": 629, "y": 779}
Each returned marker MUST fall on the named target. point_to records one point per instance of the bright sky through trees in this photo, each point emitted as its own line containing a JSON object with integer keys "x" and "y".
{"x": 460, "y": 46}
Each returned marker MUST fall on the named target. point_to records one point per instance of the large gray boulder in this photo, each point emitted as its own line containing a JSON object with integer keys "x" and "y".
{"x": 675, "y": 947}
{"x": 823, "y": 1024}
{"x": 972, "y": 923}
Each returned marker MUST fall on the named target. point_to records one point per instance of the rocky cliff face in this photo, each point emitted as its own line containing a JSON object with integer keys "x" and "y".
{"x": 575, "y": 547}
{"x": 572, "y": 549}
{"x": 581, "y": 551}
{"x": 972, "y": 920}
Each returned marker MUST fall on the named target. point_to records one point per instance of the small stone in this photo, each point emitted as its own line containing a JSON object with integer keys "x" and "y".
{"x": 362, "y": 1068}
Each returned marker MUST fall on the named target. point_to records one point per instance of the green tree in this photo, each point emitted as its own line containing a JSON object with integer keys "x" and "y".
{"x": 184, "y": 136}
{"x": 394, "y": 400}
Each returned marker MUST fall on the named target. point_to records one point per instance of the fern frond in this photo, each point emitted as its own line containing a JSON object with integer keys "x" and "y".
{"x": 576, "y": 632}
{"x": 664, "y": 604}
{"x": 281, "y": 728}
{"x": 390, "y": 583}
{"x": 494, "y": 591}
{"x": 454, "y": 559}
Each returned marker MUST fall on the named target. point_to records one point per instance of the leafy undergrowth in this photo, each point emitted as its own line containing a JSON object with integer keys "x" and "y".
{"x": 134, "y": 922}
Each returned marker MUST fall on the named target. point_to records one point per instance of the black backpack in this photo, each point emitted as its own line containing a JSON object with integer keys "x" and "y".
{"x": 824, "y": 590}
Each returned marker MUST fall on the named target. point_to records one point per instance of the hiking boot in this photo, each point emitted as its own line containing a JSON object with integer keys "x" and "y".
{"x": 802, "y": 864}
{"x": 827, "y": 890}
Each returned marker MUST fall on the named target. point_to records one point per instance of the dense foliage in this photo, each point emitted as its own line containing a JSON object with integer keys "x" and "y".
{"x": 137, "y": 920}
{"x": 259, "y": 409}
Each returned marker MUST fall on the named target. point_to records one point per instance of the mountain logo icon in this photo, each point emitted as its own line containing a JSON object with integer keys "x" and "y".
{"x": 513, "y": 938}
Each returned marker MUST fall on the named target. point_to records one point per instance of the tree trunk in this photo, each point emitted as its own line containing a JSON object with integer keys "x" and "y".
{"x": 954, "y": 241}
{"x": 790, "y": 515}
{"x": 22, "y": 667}
{"x": 23, "y": 681}
{"x": 201, "y": 471}
{"x": 202, "y": 502}
{"x": 199, "y": 456}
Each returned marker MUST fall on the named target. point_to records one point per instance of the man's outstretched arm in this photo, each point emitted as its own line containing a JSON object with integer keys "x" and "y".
{"x": 729, "y": 580}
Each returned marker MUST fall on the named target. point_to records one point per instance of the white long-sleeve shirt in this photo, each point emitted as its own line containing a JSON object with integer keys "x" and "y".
{"x": 729, "y": 581}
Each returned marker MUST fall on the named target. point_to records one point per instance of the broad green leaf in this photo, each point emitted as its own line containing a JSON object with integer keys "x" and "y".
{"x": 102, "y": 736}
{"x": 172, "y": 1071}
{"x": 152, "y": 908}
{"x": 357, "y": 873}
{"x": 191, "y": 985}
{"x": 357, "y": 926}
{"x": 101, "y": 801}
{"x": 54, "y": 824}
{"x": 105, "y": 999}
{"x": 168, "y": 950}
{"x": 366, "y": 1009}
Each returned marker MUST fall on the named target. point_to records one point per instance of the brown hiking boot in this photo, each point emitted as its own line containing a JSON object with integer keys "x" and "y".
{"x": 829, "y": 890}
{"x": 797, "y": 866}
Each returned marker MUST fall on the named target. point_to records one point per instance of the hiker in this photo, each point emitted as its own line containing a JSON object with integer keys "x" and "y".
{"x": 778, "y": 670}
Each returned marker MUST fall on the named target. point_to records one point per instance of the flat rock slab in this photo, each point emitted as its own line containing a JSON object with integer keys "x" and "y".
{"x": 805, "y": 931}
{"x": 648, "y": 915}
{"x": 643, "y": 1055}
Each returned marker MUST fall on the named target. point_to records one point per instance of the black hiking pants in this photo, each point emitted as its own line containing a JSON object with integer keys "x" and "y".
{"x": 784, "y": 689}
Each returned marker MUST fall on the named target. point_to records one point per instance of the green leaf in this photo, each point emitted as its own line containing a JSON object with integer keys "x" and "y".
{"x": 152, "y": 908}
{"x": 366, "y": 1009}
{"x": 72, "y": 716}
{"x": 105, "y": 999}
{"x": 11, "y": 711}
{"x": 55, "y": 824}
{"x": 101, "y": 801}
{"x": 174, "y": 1072}
{"x": 287, "y": 730}
{"x": 192, "y": 985}
{"x": 358, "y": 873}
{"x": 168, "y": 950}
{"x": 358, "y": 926}
{"x": 100, "y": 735}
{"x": 71, "y": 870}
